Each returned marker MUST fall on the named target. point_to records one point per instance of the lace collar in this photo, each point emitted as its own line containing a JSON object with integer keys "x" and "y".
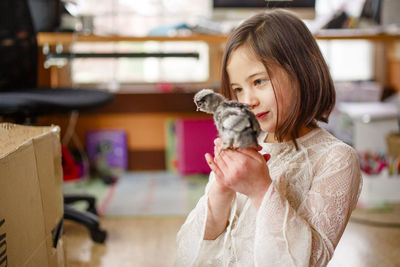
{"x": 288, "y": 145}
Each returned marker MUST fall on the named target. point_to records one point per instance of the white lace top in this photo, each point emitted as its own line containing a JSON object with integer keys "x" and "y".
{"x": 301, "y": 218}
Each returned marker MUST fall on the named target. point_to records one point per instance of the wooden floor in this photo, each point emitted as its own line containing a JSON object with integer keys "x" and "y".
{"x": 148, "y": 242}
{"x": 368, "y": 246}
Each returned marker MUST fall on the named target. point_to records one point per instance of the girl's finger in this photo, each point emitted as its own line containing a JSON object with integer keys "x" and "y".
{"x": 231, "y": 156}
{"x": 213, "y": 166}
{"x": 218, "y": 141}
{"x": 251, "y": 153}
{"x": 218, "y": 146}
{"x": 220, "y": 161}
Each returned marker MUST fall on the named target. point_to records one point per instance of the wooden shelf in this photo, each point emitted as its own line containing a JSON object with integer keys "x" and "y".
{"x": 50, "y": 38}
{"x": 352, "y": 34}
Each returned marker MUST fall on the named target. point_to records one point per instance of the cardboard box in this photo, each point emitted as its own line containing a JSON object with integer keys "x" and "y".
{"x": 31, "y": 199}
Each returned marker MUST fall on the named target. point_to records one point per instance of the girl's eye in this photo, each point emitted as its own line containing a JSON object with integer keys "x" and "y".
{"x": 237, "y": 90}
{"x": 259, "y": 82}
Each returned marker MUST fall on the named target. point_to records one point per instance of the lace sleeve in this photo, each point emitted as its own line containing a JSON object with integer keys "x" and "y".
{"x": 308, "y": 236}
{"x": 192, "y": 249}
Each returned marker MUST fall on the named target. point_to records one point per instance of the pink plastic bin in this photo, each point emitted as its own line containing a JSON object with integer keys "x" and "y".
{"x": 195, "y": 137}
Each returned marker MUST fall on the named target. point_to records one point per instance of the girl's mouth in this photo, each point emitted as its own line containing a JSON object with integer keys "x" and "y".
{"x": 262, "y": 115}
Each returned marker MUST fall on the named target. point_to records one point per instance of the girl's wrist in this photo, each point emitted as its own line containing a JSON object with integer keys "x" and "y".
{"x": 223, "y": 190}
{"x": 258, "y": 197}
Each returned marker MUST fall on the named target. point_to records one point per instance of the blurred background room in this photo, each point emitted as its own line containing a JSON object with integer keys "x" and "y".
{"x": 138, "y": 155}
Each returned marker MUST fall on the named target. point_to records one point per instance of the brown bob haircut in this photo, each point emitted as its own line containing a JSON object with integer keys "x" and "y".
{"x": 278, "y": 37}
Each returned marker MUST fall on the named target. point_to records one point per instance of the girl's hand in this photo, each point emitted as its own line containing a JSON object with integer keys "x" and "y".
{"x": 243, "y": 170}
{"x": 219, "y": 185}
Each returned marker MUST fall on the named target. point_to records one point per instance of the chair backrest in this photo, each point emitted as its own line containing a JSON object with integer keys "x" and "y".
{"x": 18, "y": 46}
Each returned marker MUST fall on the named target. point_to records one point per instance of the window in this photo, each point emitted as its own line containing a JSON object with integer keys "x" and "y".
{"x": 141, "y": 70}
{"x": 348, "y": 60}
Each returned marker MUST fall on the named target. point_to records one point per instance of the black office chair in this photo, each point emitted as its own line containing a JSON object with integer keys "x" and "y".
{"x": 23, "y": 102}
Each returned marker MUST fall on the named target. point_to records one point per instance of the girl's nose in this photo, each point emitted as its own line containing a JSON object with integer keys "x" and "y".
{"x": 251, "y": 100}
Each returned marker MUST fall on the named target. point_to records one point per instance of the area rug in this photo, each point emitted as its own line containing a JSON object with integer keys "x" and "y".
{"x": 155, "y": 193}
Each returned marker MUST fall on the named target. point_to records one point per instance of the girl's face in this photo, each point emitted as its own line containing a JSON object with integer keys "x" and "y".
{"x": 251, "y": 84}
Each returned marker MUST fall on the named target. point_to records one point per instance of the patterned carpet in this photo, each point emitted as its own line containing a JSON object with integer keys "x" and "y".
{"x": 143, "y": 194}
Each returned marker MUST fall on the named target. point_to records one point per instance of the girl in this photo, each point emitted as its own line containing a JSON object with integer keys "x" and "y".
{"x": 293, "y": 211}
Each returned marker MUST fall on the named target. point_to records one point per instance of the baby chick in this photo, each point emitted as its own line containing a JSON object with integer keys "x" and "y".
{"x": 237, "y": 126}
